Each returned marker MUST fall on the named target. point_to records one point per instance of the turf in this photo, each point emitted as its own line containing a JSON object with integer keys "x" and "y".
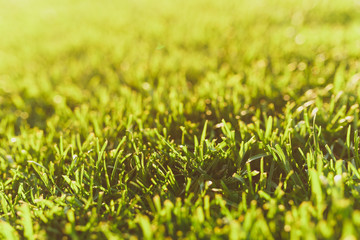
{"x": 179, "y": 119}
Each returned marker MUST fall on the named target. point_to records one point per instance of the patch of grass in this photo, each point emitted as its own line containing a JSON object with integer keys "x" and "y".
{"x": 182, "y": 119}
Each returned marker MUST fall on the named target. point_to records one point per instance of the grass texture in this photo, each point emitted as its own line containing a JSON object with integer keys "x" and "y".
{"x": 144, "y": 119}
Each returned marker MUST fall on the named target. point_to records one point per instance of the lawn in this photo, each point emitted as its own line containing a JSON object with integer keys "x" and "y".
{"x": 144, "y": 119}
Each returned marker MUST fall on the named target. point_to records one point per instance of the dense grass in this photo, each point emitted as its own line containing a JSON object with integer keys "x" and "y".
{"x": 179, "y": 119}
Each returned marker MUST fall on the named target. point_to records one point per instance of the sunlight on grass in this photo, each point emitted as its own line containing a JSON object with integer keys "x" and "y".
{"x": 179, "y": 119}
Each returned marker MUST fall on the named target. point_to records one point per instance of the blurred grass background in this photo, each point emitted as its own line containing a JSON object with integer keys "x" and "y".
{"x": 79, "y": 50}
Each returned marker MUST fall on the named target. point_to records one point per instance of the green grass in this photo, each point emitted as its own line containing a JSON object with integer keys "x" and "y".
{"x": 179, "y": 119}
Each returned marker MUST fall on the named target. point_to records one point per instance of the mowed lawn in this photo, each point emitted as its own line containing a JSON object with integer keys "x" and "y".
{"x": 203, "y": 119}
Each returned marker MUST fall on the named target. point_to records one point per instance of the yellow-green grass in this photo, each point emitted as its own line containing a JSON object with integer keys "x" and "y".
{"x": 179, "y": 119}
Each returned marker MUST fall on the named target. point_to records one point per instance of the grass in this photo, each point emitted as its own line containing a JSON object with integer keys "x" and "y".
{"x": 179, "y": 119}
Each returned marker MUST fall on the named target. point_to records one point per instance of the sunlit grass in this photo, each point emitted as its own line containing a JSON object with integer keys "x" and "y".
{"x": 179, "y": 119}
